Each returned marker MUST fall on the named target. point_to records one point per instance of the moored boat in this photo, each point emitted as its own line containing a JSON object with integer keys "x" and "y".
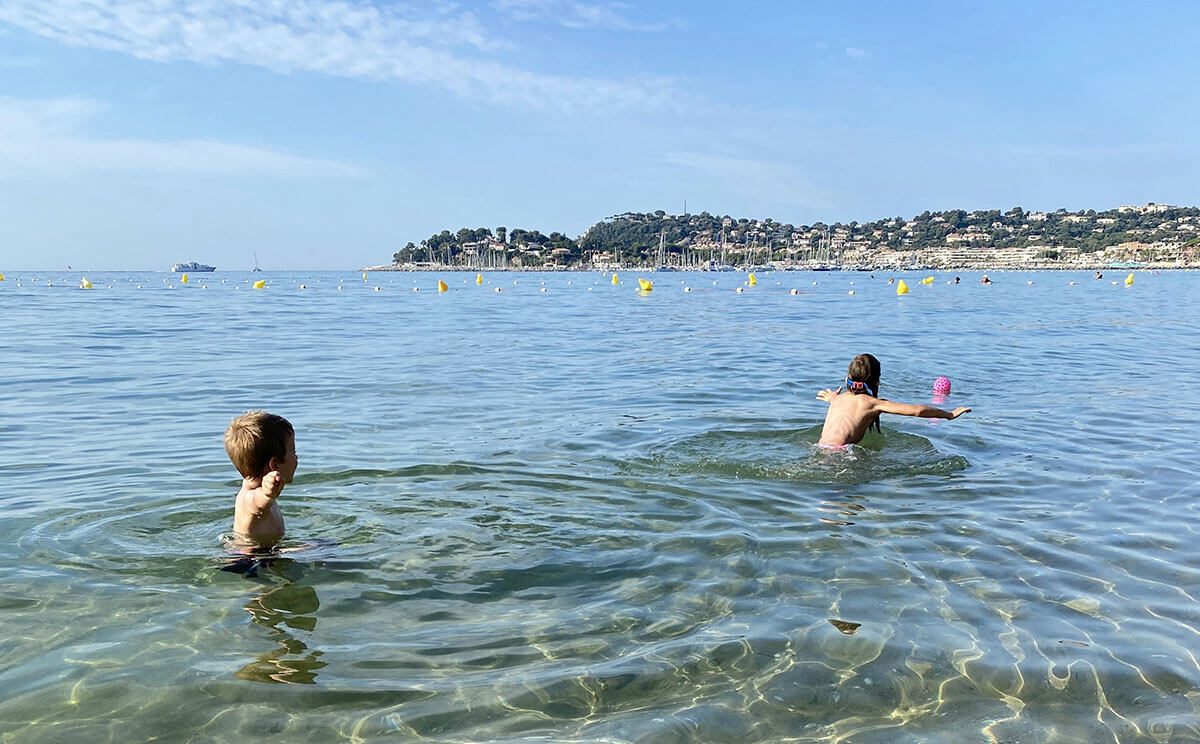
{"x": 192, "y": 266}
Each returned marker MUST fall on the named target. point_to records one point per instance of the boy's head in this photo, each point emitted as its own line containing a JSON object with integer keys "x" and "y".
{"x": 865, "y": 368}
{"x": 256, "y": 438}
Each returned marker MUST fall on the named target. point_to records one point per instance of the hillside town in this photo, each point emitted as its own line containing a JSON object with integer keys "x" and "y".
{"x": 1150, "y": 235}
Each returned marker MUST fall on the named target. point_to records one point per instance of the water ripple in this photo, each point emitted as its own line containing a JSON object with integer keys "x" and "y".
{"x": 584, "y": 516}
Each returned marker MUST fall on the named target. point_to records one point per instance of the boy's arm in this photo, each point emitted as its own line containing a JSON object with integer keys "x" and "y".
{"x": 917, "y": 409}
{"x": 272, "y": 486}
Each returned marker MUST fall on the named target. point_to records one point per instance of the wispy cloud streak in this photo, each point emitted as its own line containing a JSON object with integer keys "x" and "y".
{"x": 574, "y": 14}
{"x": 344, "y": 39}
{"x": 47, "y": 137}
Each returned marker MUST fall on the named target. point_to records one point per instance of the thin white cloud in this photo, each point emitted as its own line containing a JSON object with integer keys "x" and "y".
{"x": 574, "y": 14}
{"x": 48, "y": 137}
{"x": 855, "y": 52}
{"x": 350, "y": 39}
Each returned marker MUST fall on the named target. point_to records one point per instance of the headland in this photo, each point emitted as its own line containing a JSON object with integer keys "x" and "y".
{"x": 1153, "y": 236}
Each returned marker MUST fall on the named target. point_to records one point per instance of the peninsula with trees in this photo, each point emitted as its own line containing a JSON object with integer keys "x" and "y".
{"x": 1151, "y": 235}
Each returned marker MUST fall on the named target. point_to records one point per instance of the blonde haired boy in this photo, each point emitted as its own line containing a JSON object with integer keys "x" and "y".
{"x": 262, "y": 446}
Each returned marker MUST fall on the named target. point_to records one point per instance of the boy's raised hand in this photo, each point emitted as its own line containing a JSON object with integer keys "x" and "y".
{"x": 828, "y": 394}
{"x": 272, "y": 484}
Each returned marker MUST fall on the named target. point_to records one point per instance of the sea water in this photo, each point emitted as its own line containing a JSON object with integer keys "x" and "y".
{"x": 551, "y": 508}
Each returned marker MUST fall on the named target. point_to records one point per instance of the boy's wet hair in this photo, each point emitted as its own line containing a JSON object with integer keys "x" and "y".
{"x": 865, "y": 368}
{"x": 253, "y": 438}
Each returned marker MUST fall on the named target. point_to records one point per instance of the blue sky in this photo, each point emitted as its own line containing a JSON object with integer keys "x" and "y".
{"x": 325, "y": 134}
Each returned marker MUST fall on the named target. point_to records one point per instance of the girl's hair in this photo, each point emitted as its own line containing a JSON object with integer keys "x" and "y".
{"x": 865, "y": 368}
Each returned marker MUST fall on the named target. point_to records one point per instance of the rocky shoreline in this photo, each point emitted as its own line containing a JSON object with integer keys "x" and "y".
{"x": 991, "y": 267}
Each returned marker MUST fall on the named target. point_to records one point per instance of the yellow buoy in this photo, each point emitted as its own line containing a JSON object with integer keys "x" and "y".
{"x": 260, "y": 284}
{"x": 645, "y": 284}
{"x": 615, "y": 280}
{"x": 442, "y": 287}
{"x": 84, "y": 283}
{"x": 927, "y": 280}
{"x": 183, "y": 279}
{"x": 901, "y": 287}
{"x": 364, "y": 275}
{"x": 753, "y": 281}
{"x": 479, "y": 278}
{"x": 1, "y": 277}
{"x": 1129, "y": 280}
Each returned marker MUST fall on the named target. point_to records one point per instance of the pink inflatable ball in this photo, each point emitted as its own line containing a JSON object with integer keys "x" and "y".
{"x": 941, "y": 385}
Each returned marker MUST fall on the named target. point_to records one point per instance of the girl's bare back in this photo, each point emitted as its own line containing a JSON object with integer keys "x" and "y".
{"x": 847, "y": 420}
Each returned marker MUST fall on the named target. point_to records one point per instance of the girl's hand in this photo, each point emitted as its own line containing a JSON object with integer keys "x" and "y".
{"x": 958, "y": 412}
{"x": 828, "y": 394}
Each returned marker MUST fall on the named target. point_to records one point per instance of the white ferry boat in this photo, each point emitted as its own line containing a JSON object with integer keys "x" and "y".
{"x": 192, "y": 266}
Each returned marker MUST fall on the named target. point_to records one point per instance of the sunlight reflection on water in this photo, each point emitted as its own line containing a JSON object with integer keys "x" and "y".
{"x": 585, "y": 515}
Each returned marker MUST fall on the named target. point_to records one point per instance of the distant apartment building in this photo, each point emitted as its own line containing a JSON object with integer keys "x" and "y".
{"x": 1150, "y": 208}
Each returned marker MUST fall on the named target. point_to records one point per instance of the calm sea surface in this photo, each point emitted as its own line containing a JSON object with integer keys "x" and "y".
{"x": 570, "y": 511}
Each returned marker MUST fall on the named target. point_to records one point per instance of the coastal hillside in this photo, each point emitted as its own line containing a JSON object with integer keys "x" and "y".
{"x": 1152, "y": 234}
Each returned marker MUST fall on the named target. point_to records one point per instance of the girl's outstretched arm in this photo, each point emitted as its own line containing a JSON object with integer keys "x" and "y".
{"x": 918, "y": 409}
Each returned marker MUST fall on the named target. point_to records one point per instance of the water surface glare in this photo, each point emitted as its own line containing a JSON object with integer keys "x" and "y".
{"x": 548, "y": 508}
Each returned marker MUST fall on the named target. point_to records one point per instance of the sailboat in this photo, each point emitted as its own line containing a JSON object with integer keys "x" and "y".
{"x": 256, "y": 263}
{"x": 662, "y": 253}
{"x": 723, "y": 265}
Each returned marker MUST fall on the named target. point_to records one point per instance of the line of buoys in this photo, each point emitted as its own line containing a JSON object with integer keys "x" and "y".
{"x": 901, "y": 287}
